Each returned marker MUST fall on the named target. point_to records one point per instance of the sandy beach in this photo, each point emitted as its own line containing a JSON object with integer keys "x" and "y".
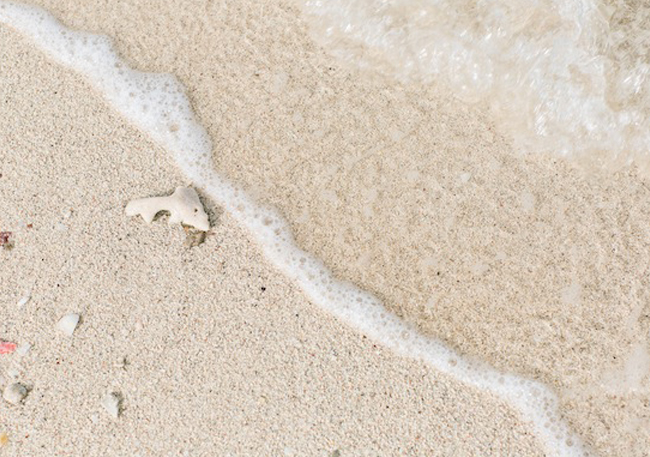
{"x": 526, "y": 262}
{"x": 223, "y": 355}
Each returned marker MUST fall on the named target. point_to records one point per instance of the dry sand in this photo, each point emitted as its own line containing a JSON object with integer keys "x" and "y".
{"x": 223, "y": 355}
{"x": 415, "y": 197}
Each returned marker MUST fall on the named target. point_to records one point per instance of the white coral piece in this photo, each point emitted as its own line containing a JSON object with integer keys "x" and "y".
{"x": 183, "y": 205}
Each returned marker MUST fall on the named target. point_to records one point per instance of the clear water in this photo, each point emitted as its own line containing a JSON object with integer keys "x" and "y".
{"x": 568, "y": 77}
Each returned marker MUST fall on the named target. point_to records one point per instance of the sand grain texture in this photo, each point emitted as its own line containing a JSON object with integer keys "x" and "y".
{"x": 415, "y": 197}
{"x": 213, "y": 350}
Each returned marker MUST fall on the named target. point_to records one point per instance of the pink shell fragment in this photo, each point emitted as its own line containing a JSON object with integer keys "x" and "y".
{"x": 7, "y": 348}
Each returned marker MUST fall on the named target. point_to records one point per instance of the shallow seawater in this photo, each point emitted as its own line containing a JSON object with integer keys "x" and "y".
{"x": 568, "y": 77}
{"x": 389, "y": 172}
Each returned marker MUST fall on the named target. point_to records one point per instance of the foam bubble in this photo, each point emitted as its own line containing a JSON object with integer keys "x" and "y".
{"x": 130, "y": 91}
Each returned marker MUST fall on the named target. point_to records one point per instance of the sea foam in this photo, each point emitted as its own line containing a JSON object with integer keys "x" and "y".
{"x": 568, "y": 77}
{"x": 157, "y": 105}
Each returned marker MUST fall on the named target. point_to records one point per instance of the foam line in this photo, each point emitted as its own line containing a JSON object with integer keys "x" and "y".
{"x": 156, "y": 104}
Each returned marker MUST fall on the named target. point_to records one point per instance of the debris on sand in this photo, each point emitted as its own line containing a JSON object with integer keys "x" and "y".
{"x": 183, "y": 205}
{"x": 23, "y": 301}
{"x": 5, "y": 240}
{"x": 4, "y": 439}
{"x": 6, "y": 347}
{"x": 68, "y": 323}
{"x": 121, "y": 363}
{"x": 111, "y": 403}
{"x": 27, "y": 296}
{"x": 14, "y": 393}
{"x": 194, "y": 237}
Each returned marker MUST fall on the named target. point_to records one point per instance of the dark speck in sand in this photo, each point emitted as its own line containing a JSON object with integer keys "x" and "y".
{"x": 5, "y": 240}
{"x": 263, "y": 289}
{"x": 335, "y": 453}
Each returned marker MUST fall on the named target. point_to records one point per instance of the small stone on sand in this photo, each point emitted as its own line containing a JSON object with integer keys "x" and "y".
{"x": 68, "y": 323}
{"x": 111, "y": 403}
{"x": 23, "y": 301}
{"x": 14, "y": 393}
{"x": 4, "y": 439}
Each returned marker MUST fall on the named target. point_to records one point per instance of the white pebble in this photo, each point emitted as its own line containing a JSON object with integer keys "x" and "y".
{"x": 14, "y": 393}
{"x": 111, "y": 403}
{"x": 68, "y": 323}
{"x": 23, "y": 301}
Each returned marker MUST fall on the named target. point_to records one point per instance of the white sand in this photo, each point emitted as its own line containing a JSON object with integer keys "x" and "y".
{"x": 405, "y": 191}
{"x": 223, "y": 355}
{"x": 525, "y": 263}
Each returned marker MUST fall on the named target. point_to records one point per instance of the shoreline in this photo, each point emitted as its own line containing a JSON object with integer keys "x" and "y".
{"x": 572, "y": 331}
{"x": 213, "y": 360}
{"x": 146, "y": 110}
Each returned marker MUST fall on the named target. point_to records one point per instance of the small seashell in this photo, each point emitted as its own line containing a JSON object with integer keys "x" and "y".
{"x": 111, "y": 403}
{"x": 14, "y": 393}
{"x": 68, "y": 323}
